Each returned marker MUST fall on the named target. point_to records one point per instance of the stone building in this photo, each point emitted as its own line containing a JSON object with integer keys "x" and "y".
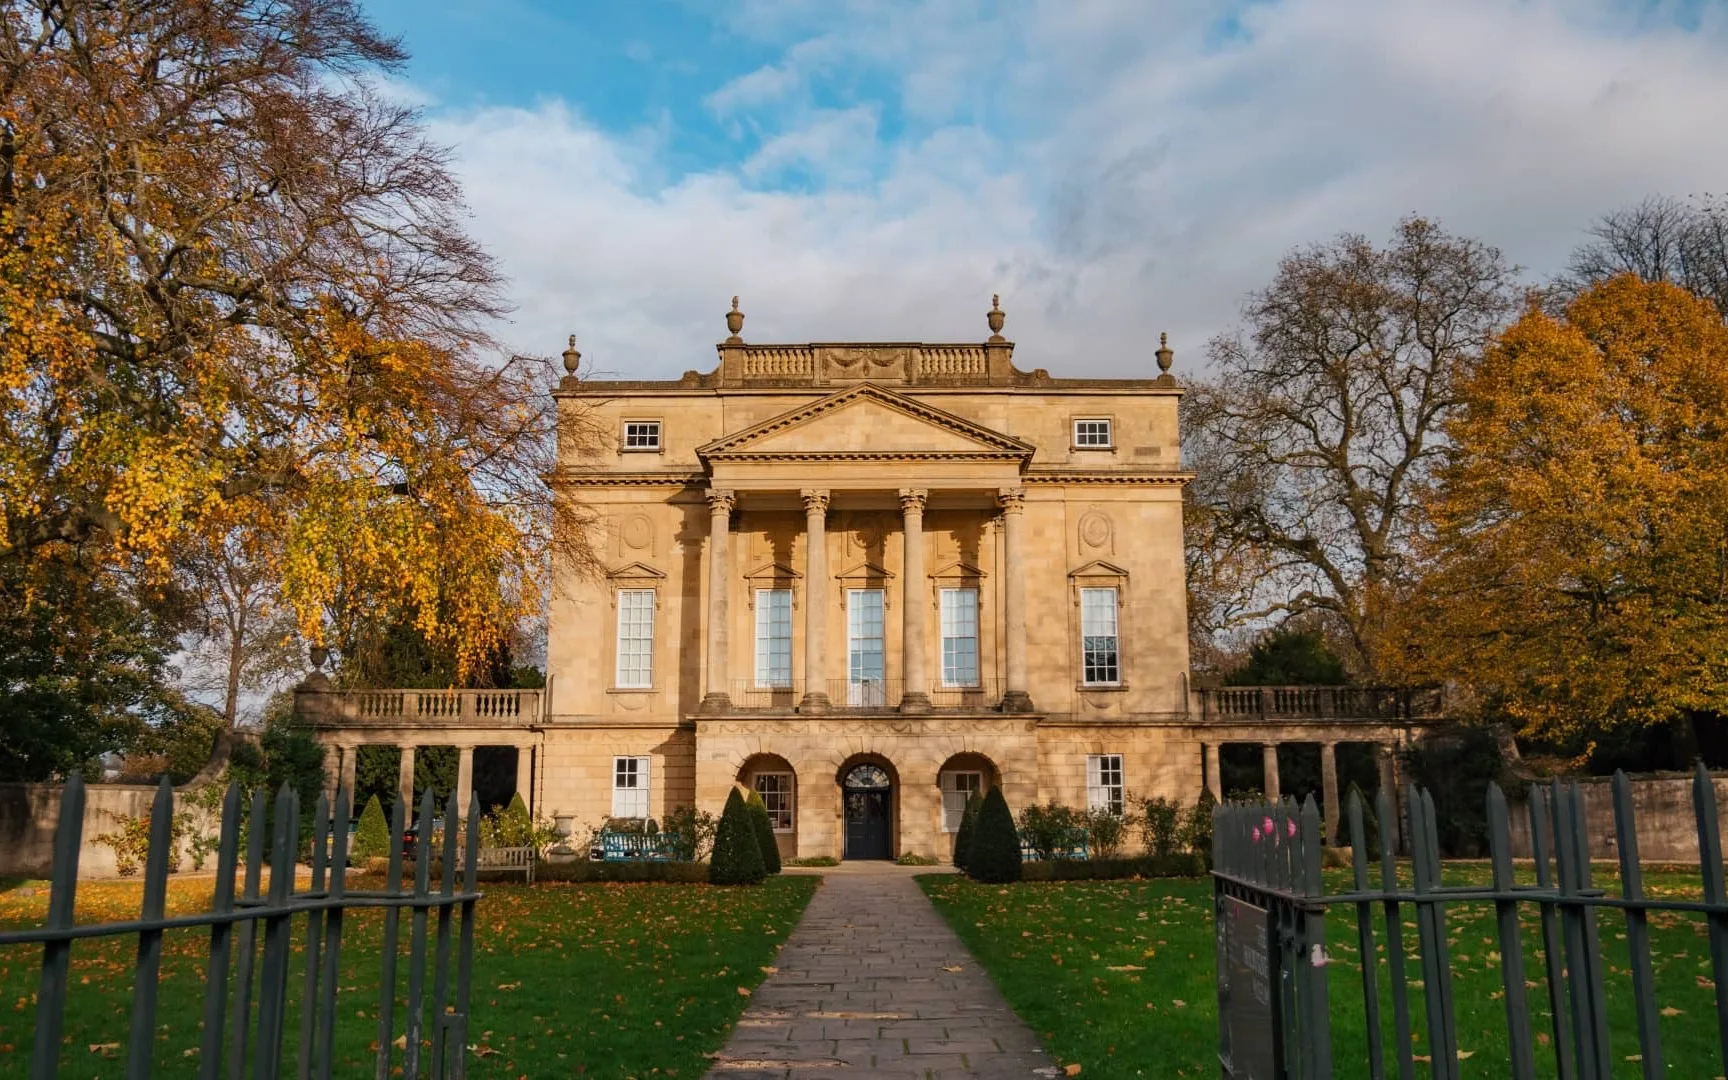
{"x": 865, "y": 580}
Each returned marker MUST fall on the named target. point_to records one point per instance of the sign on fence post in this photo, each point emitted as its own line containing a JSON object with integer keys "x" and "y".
{"x": 1249, "y": 1027}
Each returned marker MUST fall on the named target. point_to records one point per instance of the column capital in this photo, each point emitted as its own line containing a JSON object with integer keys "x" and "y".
{"x": 1011, "y": 500}
{"x": 912, "y": 499}
{"x": 721, "y": 500}
{"x": 815, "y": 500}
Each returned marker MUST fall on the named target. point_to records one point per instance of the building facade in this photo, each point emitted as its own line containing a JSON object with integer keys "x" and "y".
{"x": 867, "y": 580}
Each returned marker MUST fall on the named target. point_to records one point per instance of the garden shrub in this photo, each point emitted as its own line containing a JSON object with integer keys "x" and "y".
{"x": 1197, "y": 827}
{"x": 995, "y": 854}
{"x": 737, "y": 858}
{"x": 372, "y": 835}
{"x": 814, "y": 860}
{"x": 1144, "y": 866}
{"x": 1105, "y": 831}
{"x": 691, "y": 832}
{"x": 626, "y": 870}
{"x": 1049, "y": 830}
{"x": 912, "y": 858}
{"x": 963, "y": 838}
{"x": 764, "y": 833}
{"x": 1161, "y": 828}
{"x": 130, "y": 840}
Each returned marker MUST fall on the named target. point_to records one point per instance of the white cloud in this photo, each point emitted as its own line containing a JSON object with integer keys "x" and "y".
{"x": 1110, "y": 169}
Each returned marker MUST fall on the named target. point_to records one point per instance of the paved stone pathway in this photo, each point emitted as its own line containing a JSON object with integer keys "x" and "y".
{"x": 872, "y": 983}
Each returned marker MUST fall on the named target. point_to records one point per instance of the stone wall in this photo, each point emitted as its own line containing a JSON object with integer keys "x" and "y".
{"x": 1662, "y": 808}
{"x": 29, "y": 814}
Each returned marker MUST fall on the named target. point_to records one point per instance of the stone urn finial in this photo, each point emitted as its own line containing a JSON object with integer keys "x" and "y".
{"x": 1164, "y": 354}
{"x": 318, "y": 654}
{"x": 734, "y": 323}
{"x": 571, "y": 356}
{"x": 996, "y": 317}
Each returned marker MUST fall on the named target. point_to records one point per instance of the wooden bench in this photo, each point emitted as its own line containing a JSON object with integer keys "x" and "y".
{"x": 1076, "y": 848}
{"x": 509, "y": 859}
{"x": 655, "y": 847}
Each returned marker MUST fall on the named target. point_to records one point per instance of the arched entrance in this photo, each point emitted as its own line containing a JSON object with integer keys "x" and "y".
{"x": 867, "y": 798}
{"x": 772, "y": 777}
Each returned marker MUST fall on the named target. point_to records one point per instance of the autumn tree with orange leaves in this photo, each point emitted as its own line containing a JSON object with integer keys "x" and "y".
{"x": 1578, "y": 577}
{"x": 235, "y": 287}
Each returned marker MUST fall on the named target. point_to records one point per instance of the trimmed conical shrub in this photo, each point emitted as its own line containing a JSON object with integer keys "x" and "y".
{"x": 995, "y": 853}
{"x": 764, "y": 832}
{"x": 372, "y": 835}
{"x": 737, "y": 858}
{"x": 968, "y": 823}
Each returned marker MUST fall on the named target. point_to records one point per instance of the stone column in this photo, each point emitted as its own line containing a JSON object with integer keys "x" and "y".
{"x": 815, "y": 600}
{"x": 350, "y": 759}
{"x": 1329, "y": 790}
{"x": 1015, "y": 698}
{"x": 718, "y": 697}
{"x": 464, "y": 780}
{"x": 1214, "y": 781}
{"x": 332, "y": 769}
{"x": 525, "y": 775}
{"x": 1389, "y": 784}
{"x": 1269, "y": 758}
{"x": 405, "y": 781}
{"x": 914, "y": 654}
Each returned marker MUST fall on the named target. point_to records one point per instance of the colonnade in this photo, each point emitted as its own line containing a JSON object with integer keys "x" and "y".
{"x": 1330, "y": 810}
{"x": 915, "y": 665}
{"x": 340, "y": 759}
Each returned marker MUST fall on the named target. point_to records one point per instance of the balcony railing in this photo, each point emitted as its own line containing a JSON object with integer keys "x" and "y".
{"x": 865, "y": 695}
{"x": 453, "y": 708}
{"x": 1319, "y": 703}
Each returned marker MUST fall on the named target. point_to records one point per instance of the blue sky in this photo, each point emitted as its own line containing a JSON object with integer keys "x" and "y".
{"x": 876, "y": 169}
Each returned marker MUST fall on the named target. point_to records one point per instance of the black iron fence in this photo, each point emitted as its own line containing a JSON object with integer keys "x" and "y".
{"x": 1272, "y": 904}
{"x": 250, "y": 967}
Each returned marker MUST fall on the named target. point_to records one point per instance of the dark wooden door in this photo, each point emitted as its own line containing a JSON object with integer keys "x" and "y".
{"x": 867, "y": 825}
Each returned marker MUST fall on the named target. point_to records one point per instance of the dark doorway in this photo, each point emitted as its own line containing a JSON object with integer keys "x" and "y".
{"x": 867, "y": 790}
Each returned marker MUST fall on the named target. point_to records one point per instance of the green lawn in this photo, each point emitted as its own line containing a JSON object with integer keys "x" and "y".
{"x": 592, "y": 980}
{"x": 1118, "y": 976}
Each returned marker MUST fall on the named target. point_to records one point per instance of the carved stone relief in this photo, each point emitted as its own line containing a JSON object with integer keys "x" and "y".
{"x": 1097, "y": 532}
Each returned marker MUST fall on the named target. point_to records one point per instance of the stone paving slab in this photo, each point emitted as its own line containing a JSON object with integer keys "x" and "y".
{"x": 872, "y": 983}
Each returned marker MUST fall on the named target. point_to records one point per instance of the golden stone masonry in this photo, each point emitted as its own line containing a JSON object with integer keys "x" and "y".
{"x": 866, "y": 580}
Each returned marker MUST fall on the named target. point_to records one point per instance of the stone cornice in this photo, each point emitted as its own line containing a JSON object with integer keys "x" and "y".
{"x": 599, "y": 478}
{"x": 1157, "y": 479}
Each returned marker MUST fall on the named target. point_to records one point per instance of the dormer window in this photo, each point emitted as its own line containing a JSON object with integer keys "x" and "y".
{"x": 642, "y": 435}
{"x": 1092, "y": 434}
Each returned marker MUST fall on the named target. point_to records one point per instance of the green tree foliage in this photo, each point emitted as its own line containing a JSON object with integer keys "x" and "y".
{"x": 1050, "y": 830}
{"x": 968, "y": 825}
{"x": 764, "y": 832}
{"x": 83, "y": 665}
{"x": 285, "y": 753}
{"x": 372, "y": 837}
{"x": 1456, "y": 769}
{"x": 995, "y": 855}
{"x": 1289, "y": 657}
{"x": 1161, "y": 827}
{"x": 737, "y": 856}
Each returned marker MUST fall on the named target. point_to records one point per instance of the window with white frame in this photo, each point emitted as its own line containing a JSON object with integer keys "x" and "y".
{"x": 641, "y": 434}
{"x": 1104, "y": 782}
{"x": 865, "y": 662}
{"x": 1100, "y": 660}
{"x": 635, "y": 639}
{"x": 959, "y": 637}
{"x": 957, "y": 787}
{"x": 776, "y": 791}
{"x": 774, "y": 637}
{"x": 1092, "y": 434}
{"x": 630, "y": 787}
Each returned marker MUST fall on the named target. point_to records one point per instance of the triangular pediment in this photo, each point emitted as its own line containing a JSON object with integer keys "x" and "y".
{"x": 636, "y": 570}
{"x": 867, "y": 420}
{"x": 864, "y": 571}
{"x": 1098, "y": 568}
{"x": 958, "y": 569}
{"x": 773, "y": 571}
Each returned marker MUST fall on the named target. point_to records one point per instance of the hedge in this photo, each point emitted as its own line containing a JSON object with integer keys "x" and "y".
{"x": 1144, "y": 866}
{"x": 625, "y": 870}
{"x": 968, "y": 821}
